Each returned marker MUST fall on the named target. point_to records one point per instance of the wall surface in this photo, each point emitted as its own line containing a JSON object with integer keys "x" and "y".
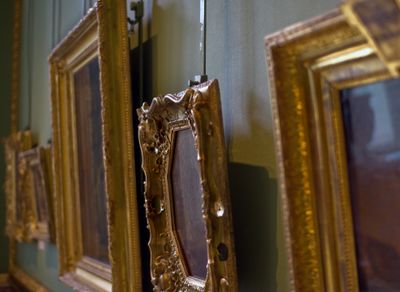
{"x": 45, "y": 23}
{"x": 235, "y": 55}
{"x": 6, "y": 23}
{"x": 235, "y": 50}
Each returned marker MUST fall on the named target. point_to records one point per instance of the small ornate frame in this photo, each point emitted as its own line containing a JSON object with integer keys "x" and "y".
{"x": 198, "y": 109}
{"x": 309, "y": 64}
{"x": 21, "y": 216}
{"x": 39, "y": 181}
{"x": 16, "y": 276}
{"x": 101, "y": 33}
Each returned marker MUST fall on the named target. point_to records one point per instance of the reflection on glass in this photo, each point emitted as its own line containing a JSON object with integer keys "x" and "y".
{"x": 371, "y": 117}
{"x": 187, "y": 201}
{"x": 90, "y": 160}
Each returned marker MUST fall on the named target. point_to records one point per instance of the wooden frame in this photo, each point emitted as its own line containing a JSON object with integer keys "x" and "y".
{"x": 309, "y": 64}
{"x": 76, "y": 58}
{"x": 118, "y": 146}
{"x": 17, "y": 278}
{"x": 21, "y": 216}
{"x": 102, "y": 34}
{"x": 198, "y": 110}
{"x": 39, "y": 160}
{"x": 27, "y": 187}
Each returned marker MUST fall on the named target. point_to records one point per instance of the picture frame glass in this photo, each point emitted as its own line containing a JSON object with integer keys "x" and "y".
{"x": 93, "y": 204}
{"x": 372, "y": 132}
{"x": 187, "y": 203}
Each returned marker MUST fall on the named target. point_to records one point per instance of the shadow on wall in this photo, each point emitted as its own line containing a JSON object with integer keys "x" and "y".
{"x": 254, "y": 201}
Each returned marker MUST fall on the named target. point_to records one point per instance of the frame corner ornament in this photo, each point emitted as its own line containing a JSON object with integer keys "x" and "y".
{"x": 309, "y": 64}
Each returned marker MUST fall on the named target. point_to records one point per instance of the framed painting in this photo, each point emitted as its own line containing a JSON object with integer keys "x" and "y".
{"x": 92, "y": 157}
{"x": 32, "y": 193}
{"x": 38, "y": 162}
{"x": 21, "y": 215}
{"x": 186, "y": 191}
{"x": 17, "y": 278}
{"x": 334, "y": 89}
{"x": 44, "y": 190}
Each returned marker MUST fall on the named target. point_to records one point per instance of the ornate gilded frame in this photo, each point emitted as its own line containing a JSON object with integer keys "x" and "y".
{"x": 78, "y": 48}
{"x": 38, "y": 181}
{"x": 118, "y": 146}
{"x": 23, "y": 164}
{"x": 17, "y": 278}
{"x": 102, "y": 33}
{"x": 309, "y": 64}
{"x": 198, "y": 108}
{"x": 21, "y": 217}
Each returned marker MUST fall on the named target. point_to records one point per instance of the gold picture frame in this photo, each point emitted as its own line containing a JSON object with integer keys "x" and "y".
{"x": 99, "y": 45}
{"x": 186, "y": 191}
{"x": 17, "y": 278}
{"x": 39, "y": 162}
{"x": 309, "y": 65}
{"x": 21, "y": 216}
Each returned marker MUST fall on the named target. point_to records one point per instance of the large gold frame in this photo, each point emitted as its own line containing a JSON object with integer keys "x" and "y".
{"x": 198, "y": 109}
{"x": 118, "y": 146}
{"x": 103, "y": 33}
{"x": 309, "y": 63}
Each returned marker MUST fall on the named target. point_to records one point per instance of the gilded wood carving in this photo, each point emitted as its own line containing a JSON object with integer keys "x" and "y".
{"x": 378, "y": 21}
{"x": 27, "y": 189}
{"x": 81, "y": 215}
{"x": 93, "y": 154}
{"x": 118, "y": 146}
{"x": 17, "y": 277}
{"x": 186, "y": 191}
{"x": 21, "y": 216}
{"x": 309, "y": 65}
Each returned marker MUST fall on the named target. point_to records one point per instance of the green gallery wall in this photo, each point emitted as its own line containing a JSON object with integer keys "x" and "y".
{"x": 235, "y": 55}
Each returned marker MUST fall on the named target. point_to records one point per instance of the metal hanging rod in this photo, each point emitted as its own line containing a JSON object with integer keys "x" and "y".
{"x": 203, "y": 45}
{"x": 138, "y": 8}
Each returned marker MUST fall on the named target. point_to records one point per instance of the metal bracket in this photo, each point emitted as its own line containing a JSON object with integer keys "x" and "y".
{"x": 198, "y": 79}
{"x": 138, "y": 8}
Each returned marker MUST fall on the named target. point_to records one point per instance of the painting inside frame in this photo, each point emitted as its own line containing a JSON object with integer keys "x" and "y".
{"x": 93, "y": 204}
{"x": 187, "y": 203}
{"x": 186, "y": 191}
{"x": 372, "y": 133}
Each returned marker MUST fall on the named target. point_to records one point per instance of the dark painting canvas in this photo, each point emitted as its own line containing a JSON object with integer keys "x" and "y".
{"x": 90, "y": 161}
{"x": 371, "y": 116}
{"x": 187, "y": 204}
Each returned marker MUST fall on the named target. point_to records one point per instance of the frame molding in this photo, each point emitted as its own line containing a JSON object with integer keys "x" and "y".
{"x": 309, "y": 63}
{"x": 197, "y": 108}
{"x": 76, "y": 49}
{"x": 118, "y": 146}
{"x": 104, "y": 31}
{"x": 383, "y": 37}
{"x": 15, "y": 273}
{"x": 20, "y": 279}
{"x": 16, "y": 65}
{"x": 18, "y": 187}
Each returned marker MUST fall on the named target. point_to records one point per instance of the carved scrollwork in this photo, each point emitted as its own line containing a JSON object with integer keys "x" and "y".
{"x": 21, "y": 208}
{"x": 197, "y": 109}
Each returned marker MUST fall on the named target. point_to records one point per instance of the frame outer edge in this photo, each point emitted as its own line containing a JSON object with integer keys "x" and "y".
{"x": 118, "y": 146}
